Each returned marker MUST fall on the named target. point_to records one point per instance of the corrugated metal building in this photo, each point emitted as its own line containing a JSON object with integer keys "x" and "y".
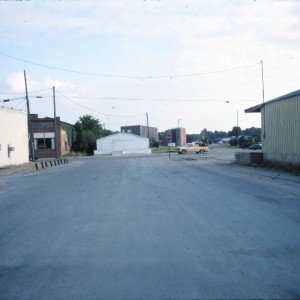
{"x": 123, "y": 143}
{"x": 144, "y": 131}
{"x": 280, "y": 119}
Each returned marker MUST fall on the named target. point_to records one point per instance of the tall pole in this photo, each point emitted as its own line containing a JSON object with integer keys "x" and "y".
{"x": 263, "y": 98}
{"x": 148, "y": 128}
{"x": 30, "y": 142}
{"x": 55, "y": 125}
{"x": 262, "y": 80}
{"x": 237, "y": 118}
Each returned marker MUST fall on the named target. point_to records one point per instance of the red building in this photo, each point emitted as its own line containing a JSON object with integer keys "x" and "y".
{"x": 50, "y": 138}
{"x": 178, "y": 135}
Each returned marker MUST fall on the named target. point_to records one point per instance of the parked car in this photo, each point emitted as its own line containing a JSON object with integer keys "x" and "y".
{"x": 197, "y": 147}
{"x": 255, "y": 147}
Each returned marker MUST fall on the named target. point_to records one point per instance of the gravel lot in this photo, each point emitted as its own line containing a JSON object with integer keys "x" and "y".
{"x": 224, "y": 157}
{"x": 218, "y": 154}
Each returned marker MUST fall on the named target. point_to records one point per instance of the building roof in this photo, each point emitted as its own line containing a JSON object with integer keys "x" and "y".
{"x": 66, "y": 124}
{"x": 131, "y": 126}
{"x": 258, "y": 107}
{"x": 130, "y": 135}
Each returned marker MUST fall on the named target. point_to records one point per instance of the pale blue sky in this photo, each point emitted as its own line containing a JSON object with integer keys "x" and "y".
{"x": 131, "y": 40}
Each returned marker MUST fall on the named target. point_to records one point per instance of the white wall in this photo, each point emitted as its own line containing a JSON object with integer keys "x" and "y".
{"x": 122, "y": 142}
{"x": 13, "y": 133}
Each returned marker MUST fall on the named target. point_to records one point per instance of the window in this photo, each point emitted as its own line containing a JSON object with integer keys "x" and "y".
{"x": 44, "y": 141}
{"x": 42, "y": 124}
{"x": 44, "y": 144}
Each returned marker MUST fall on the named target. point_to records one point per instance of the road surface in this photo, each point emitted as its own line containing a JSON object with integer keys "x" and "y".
{"x": 149, "y": 227}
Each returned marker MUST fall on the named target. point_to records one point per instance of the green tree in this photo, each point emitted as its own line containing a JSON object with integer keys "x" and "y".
{"x": 207, "y": 136}
{"x": 87, "y": 130}
{"x": 236, "y": 131}
{"x": 220, "y": 134}
{"x": 192, "y": 138}
{"x": 254, "y": 133}
{"x": 161, "y": 136}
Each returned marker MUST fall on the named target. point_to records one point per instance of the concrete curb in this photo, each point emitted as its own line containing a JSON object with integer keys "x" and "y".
{"x": 50, "y": 163}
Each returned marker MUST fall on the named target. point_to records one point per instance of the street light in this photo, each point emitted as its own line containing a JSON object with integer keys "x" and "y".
{"x": 18, "y": 98}
{"x": 237, "y": 115}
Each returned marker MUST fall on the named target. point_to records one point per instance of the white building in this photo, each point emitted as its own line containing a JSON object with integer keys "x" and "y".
{"x": 13, "y": 137}
{"x": 123, "y": 143}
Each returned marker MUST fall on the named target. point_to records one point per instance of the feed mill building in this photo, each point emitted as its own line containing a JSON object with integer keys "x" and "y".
{"x": 280, "y": 123}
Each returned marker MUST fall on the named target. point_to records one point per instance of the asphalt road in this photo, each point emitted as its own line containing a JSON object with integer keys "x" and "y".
{"x": 149, "y": 227}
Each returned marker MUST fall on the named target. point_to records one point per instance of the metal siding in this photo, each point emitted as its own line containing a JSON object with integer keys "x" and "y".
{"x": 142, "y": 131}
{"x": 282, "y": 127}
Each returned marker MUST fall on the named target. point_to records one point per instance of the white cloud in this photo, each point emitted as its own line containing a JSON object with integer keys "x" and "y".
{"x": 15, "y": 82}
{"x": 157, "y": 38}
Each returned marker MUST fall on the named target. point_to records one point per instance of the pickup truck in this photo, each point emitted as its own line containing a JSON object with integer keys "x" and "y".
{"x": 197, "y": 147}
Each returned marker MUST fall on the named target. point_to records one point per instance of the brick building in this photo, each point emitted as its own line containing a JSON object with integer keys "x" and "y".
{"x": 178, "y": 136}
{"x": 50, "y": 138}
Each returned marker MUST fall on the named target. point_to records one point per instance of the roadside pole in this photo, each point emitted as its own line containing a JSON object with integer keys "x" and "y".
{"x": 31, "y": 141}
{"x": 171, "y": 145}
{"x": 168, "y": 137}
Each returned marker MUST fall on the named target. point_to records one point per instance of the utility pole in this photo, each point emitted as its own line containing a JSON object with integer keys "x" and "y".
{"x": 263, "y": 96}
{"x": 31, "y": 146}
{"x": 55, "y": 124}
{"x": 148, "y": 128}
{"x": 262, "y": 79}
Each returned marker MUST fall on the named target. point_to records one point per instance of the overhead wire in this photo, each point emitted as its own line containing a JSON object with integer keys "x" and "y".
{"x": 129, "y": 76}
{"x": 93, "y": 110}
{"x": 29, "y": 92}
{"x": 160, "y": 99}
{"x": 150, "y": 99}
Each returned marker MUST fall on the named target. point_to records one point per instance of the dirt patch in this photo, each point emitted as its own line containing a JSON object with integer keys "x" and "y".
{"x": 17, "y": 169}
{"x": 32, "y": 167}
{"x": 217, "y": 153}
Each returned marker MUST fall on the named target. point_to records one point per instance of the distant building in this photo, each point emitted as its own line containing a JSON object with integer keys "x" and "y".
{"x": 13, "y": 137}
{"x": 50, "y": 141}
{"x": 144, "y": 131}
{"x": 280, "y": 122}
{"x": 177, "y": 136}
{"x": 122, "y": 143}
{"x": 70, "y": 132}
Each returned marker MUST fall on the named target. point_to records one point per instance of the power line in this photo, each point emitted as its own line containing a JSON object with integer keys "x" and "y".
{"x": 161, "y": 99}
{"x": 19, "y": 93}
{"x": 128, "y": 76}
{"x": 142, "y": 99}
{"x": 95, "y": 111}
{"x": 158, "y": 99}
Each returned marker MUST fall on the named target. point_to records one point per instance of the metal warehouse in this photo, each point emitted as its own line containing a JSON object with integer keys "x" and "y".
{"x": 122, "y": 143}
{"x": 145, "y": 131}
{"x": 280, "y": 122}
